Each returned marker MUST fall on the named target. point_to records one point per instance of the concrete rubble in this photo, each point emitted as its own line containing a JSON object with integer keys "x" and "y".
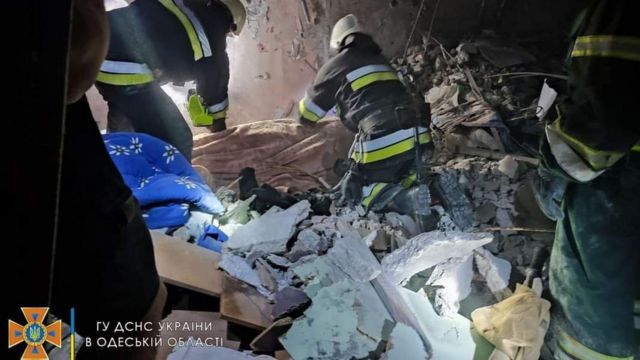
{"x": 430, "y": 249}
{"x": 404, "y": 344}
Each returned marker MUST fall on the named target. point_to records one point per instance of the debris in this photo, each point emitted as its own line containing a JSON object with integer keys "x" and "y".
{"x": 502, "y": 55}
{"x": 307, "y": 243}
{"x": 547, "y": 97}
{"x": 289, "y": 302}
{"x": 485, "y": 213}
{"x": 268, "y": 341}
{"x": 269, "y": 232}
{"x": 496, "y": 272}
{"x": 508, "y": 166}
{"x": 266, "y": 275}
{"x": 238, "y": 268}
{"x": 318, "y": 273}
{"x": 278, "y": 261}
{"x": 404, "y": 344}
{"x": 352, "y": 256}
{"x": 452, "y": 280}
{"x": 429, "y": 249}
{"x": 194, "y": 351}
{"x": 449, "y": 338}
{"x": 330, "y": 328}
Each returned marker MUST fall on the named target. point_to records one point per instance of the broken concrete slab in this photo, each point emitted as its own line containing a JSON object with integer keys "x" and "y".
{"x": 291, "y": 302}
{"x": 373, "y": 318}
{"x": 508, "y": 166}
{"x": 330, "y": 328}
{"x": 403, "y": 221}
{"x": 279, "y": 261}
{"x": 318, "y": 273}
{"x": 267, "y": 275}
{"x": 269, "y": 233}
{"x": 268, "y": 341}
{"x": 496, "y": 272}
{"x": 353, "y": 256}
{"x": 449, "y": 338}
{"x": 308, "y": 242}
{"x": 429, "y": 249}
{"x": 453, "y": 282}
{"x": 195, "y": 351}
{"x": 238, "y": 268}
{"x": 404, "y": 344}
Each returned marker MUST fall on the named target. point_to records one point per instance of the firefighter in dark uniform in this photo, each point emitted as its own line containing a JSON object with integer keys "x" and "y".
{"x": 154, "y": 42}
{"x": 594, "y": 146}
{"x": 373, "y": 103}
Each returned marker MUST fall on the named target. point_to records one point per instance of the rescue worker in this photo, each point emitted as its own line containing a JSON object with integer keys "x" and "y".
{"x": 372, "y": 102}
{"x": 154, "y": 42}
{"x": 594, "y": 146}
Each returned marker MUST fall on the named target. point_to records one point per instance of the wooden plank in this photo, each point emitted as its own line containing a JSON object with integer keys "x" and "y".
{"x": 282, "y": 355}
{"x": 268, "y": 340}
{"x": 187, "y": 265}
{"x": 242, "y": 304}
{"x": 218, "y": 331}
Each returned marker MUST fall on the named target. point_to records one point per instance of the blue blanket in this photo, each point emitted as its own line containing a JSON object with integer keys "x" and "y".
{"x": 161, "y": 179}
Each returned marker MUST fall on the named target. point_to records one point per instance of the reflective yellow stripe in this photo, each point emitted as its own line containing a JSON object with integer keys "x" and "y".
{"x": 306, "y": 113}
{"x": 371, "y": 78}
{"x": 598, "y": 159}
{"x": 219, "y": 115}
{"x": 409, "y": 180}
{"x": 580, "y": 352}
{"x": 389, "y": 151}
{"x": 197, "y": 112}
{"x": 636, "y": 147}
{"x": 366, "y": 201}
{"x": 191, "y": 32}
{"x": 124, "y": 79}
{"x": 621, "y": 47}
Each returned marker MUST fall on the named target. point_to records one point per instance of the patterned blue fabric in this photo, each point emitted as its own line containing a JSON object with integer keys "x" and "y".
{"x": 161, "y": 179}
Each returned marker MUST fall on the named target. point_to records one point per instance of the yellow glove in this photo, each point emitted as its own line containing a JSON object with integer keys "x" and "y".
{"x": 198, "y": 112}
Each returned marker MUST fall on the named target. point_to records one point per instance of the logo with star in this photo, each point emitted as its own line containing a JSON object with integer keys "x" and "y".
{"x": 35, "y": 333}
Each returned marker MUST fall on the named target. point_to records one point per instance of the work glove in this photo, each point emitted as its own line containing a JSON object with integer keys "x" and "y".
{"x": 351, "y": 188}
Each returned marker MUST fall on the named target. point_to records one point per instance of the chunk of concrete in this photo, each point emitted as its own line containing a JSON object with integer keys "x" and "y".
{"x": 429, "y": 249}
{"x": 267, "y": 275}
{"x": 332, "y": 328}
{"x": 318, "y": 273}
{"x": 269, "y": 233}
{"x": 353, "y": 256}
{"x": 453, "y": 282}
{"x": 290, "y": 301}
{"x": 496, "y": 272}
{"x": 308, "y": 242}
{"x": 279, "y": 261}
{"x": 449, "y": 338}
{"x": 508, "y": 166}
{"x": 238, "y": 268}
{"x": 404, "y": 344}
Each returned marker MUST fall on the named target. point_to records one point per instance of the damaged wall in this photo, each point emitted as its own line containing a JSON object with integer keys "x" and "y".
{"x": 284, "y": 42}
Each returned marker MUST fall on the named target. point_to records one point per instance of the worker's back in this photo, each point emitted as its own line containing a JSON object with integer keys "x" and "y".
{"x": 154, "y": 32}
{"x": 358, "y": 70}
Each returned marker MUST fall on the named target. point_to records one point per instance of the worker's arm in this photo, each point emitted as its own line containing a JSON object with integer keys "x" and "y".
{"x": 212, "y": 79}
{"x": 598, "y": 124}
{"x": 320, "y": 98}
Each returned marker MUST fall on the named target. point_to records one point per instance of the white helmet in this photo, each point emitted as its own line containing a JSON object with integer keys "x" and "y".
{"x": 238, "y": 10}
{"x": 344, "y": 27}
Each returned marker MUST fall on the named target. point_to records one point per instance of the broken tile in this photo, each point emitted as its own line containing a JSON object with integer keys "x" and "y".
{"x": 289, "y": 302}
{"x": 404, "y": 344}
{"x": 429, "y": 249}
{"x": 453, "y": 282}
{"x": 496, "y": 272}
{"x": 269, "y": 233}
{"x": 353, "y": 257}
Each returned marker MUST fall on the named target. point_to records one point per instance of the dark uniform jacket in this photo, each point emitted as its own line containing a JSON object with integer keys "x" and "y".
{"x": 170, "y": 41}
{"x": 371, "y": 101}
